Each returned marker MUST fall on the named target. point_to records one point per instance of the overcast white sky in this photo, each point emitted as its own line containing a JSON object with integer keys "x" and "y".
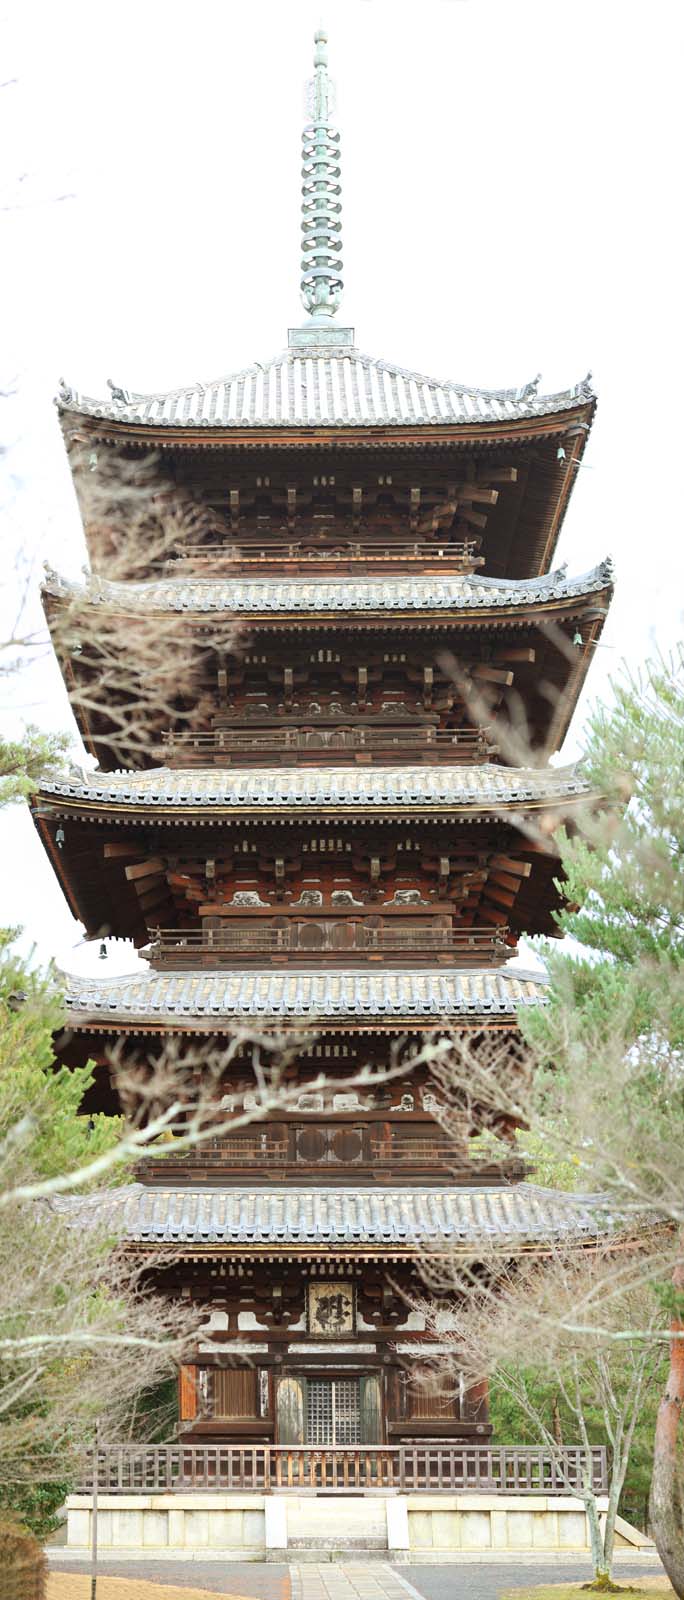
{"x": 512, "y": 203}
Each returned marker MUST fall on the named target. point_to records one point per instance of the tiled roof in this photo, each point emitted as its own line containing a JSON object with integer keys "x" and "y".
{"x": 324, "y": 386}
{"x": 186, "y": 998}
{"x": 340, "y": 788}
{"x": 451, "y": 594}
{"x": 386, "y": 1217}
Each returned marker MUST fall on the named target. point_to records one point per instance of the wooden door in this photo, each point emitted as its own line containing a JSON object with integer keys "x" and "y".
{"x": 290, "y": 1410}
{"x": 371, "y": 1409}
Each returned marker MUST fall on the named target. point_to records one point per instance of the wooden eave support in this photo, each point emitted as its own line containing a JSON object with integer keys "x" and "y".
{"x": 145, "y": 869}
{"x": 511, "y": 864}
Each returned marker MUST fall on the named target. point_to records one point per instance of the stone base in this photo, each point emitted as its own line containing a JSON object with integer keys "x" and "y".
{"x": 414, "y": 1527}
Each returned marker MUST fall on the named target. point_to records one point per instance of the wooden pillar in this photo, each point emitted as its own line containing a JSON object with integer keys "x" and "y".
{"x": 187, "y": 1393}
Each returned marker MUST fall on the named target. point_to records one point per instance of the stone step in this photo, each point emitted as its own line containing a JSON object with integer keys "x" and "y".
{"x": 305, "y": 1557}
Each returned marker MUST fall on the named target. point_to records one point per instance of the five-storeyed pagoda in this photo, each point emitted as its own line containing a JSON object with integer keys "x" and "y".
{"x": 333, "y": 842}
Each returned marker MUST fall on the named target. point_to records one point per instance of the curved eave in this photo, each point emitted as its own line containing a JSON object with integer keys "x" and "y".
{"x": 288, "y": 436}
{"x": 529, "y": 611}
{"x": 351, "y": 999}
{"x": 151, "y": 814}
{"x": 98, "y": 1026}
{"x": 396, "y": 1220}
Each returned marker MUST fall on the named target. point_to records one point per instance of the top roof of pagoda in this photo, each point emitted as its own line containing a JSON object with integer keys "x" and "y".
{"x": 322, "y": 380}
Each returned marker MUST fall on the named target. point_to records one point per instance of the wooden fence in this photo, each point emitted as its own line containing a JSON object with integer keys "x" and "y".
{"x": 126, "y": 1469}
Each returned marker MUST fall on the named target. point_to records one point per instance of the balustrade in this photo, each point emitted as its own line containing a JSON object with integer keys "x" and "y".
{"x": 313, "y": 1144}
{"x": 333, "y": 939}
{"x": 343, "y": 554}
{"x": 294, "y": 745}
{"x": 130, "y": 1469}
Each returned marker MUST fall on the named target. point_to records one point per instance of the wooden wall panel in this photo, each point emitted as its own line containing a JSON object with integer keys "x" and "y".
{"x": 234, "y": 1392}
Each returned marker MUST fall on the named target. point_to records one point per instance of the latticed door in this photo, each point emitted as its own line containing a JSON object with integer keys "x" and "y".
{"x": 333, "y": 1411}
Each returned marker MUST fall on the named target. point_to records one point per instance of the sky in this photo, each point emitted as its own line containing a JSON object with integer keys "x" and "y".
{"x": 511, "y": 176}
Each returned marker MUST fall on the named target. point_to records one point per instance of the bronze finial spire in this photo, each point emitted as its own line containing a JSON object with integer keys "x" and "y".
{"x": 321, "y": 208}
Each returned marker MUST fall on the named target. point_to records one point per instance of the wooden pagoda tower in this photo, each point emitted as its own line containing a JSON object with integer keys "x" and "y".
{"x": 336, "y": 845}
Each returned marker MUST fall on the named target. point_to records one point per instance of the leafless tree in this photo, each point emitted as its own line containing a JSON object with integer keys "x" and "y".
{"x": 557, "y": 1316}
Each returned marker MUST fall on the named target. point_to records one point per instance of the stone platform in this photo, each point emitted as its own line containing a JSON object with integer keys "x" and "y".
{"x": 255, "y": 1527}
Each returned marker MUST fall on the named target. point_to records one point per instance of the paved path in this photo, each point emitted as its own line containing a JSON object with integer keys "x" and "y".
{"x": 374, "y": 1580}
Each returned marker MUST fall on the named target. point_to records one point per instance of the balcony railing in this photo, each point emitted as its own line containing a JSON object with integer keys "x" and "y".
{"x": 324, "y": 1147}
{"x": 373, "y": 555}
{"x": 333, "y": 940}
{"x": 224, "y": 747}
{"x": 313, "y": 1145}
{"x": 127, "y": 1469}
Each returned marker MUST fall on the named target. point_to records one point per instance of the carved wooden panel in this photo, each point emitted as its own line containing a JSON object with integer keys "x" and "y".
{"x": 331, "y": 1310}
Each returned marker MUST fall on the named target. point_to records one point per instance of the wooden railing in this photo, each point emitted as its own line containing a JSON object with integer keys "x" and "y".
{"x": 313, "y": 940}
{"x": 126, "y": 1469}
{"x": 313, "y": 1145}
{"x": 227, "y": 746}
{"x": 279, "y": 555}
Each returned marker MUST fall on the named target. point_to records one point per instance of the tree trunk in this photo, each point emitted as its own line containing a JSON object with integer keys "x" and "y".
{"x": 611, "y": 1515}
{"x": 667, "y": 1486}
{"x": 598, "y": 1558}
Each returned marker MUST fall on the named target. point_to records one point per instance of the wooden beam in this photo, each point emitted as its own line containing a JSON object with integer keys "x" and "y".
{"x": 491, "y": 674}
{"x": 152, "y": 898}
{"x": 511, "y": 864}
{"x": 477, "y": 518}
{"x": 499, "y": 896}
{"x": 184, "y": 880}
{"x": 505, "y": 880}
{"x": 483, "y": 496}
{"x": 146, "y": 869}
{"x": 117, "y": 852}
{"x": 498, "y": 475}
{"x": 519, "y": 652}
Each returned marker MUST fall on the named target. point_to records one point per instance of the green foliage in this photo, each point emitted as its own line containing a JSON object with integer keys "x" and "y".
{"x": 512, "y": 1424}
{"x": 39, "y": 1102}
{"x": 625, "y": 872}
{"x": 35, "y": 1505}
{"x": 611, "y": 1038}
{"x": 629, "y": 880}
{"x": 24, "y": 762}
{"x": 154, "y": 1413}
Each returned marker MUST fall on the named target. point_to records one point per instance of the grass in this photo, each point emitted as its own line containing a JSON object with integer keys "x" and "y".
{"x": 656, "y": 1588}
{"x": 76, "y": 1586}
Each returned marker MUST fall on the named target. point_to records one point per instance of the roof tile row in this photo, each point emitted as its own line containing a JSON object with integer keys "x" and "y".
{"x": 399, "y": 1217}
{"x": 299, "y": 595}
{"x": 185, "y": 997}
{"x": 487, "y": 786}
{"x": 336, "y": 386}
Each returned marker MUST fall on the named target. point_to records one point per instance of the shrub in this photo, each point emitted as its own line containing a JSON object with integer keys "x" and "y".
{"x": 23, "y": 1567}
